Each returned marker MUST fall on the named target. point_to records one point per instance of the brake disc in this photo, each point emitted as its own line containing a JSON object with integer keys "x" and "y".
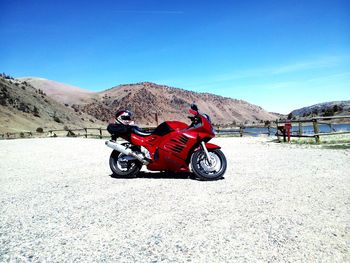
{"x": 213, "y": 166}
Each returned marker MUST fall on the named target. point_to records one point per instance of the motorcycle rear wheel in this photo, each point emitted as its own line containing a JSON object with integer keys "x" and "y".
{"x": 209, "y": 171}
{"x": 132, "y": 168}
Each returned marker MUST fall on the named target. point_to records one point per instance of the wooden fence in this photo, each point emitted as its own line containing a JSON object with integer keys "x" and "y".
{"x": 244, "y": 130}
{"x": 102, "y": 132}
{"x": 274, "y": 128}
{"x": 316, "y": 122}
{"x": 79, "y": 132}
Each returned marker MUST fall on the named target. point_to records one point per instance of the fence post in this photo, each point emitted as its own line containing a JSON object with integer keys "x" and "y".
{"x": 331, "y": 129}
{"x": 278, "y": 136}
{"x": 85, "y": 132}
{"x": 316, "y": 130}
{"x": 241, "y": 131}
{"x": 100, "y": 133}
{"x": 300, "y": 130}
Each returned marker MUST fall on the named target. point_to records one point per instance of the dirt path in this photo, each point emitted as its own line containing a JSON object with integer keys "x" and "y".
{"x": 277, "y": 203}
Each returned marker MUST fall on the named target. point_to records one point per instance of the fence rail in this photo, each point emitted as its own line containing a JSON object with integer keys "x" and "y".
{"x": 78, "y": 132}
{"x": 273, "y": 129}
{"x": 242, "y": 130}
{"x": 316, "y": 122}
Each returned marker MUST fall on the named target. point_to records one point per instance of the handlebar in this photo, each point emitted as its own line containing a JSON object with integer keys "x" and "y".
{"x": 195, "y": 120}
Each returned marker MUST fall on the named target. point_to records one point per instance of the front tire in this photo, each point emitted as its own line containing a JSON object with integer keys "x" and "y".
{"x": 121, "y": 168}
{"x": 209, "y": 171}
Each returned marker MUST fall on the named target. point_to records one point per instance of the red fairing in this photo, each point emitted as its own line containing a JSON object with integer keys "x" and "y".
{"x": 210, "y": 146}
{"x": 172, "y": 149}
{"x": 177, "y": 125}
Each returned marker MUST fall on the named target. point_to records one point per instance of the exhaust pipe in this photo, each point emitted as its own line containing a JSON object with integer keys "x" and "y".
{"x": 127, "y": 151}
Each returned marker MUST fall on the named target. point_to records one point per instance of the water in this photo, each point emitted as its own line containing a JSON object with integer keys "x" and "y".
{"x": 324, "y": 128}
{"x": 307, "y": 129}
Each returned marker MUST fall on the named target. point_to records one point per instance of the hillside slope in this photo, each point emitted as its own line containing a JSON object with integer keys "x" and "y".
{"x": 145, "y": 99}
{"x": 331, "y": 108}
{"x": 61, "y": 92}
{"x": 25, "y": 108}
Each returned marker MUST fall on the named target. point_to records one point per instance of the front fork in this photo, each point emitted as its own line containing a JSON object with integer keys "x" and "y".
{"x": 206, "y": 152}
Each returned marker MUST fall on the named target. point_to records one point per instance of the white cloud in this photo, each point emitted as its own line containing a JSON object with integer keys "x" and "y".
{"x": 324, "y": 62}
{"x": 267, "y": 71}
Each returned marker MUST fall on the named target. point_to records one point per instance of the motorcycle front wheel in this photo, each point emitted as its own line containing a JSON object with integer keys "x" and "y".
{"x": 122, "y": 167}
{"x": 206, "y": 170}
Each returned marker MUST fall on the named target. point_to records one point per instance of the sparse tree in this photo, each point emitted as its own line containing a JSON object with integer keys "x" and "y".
{"x": 336, "y": 108}
{"x": 56, "y": 119}
{"x": 329, "y": 112}
{"x": 36, "y": 112}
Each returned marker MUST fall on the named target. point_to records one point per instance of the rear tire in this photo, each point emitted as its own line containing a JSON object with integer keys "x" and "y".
{"x": 205, "y": 171}
{"x": 123, "y": 169}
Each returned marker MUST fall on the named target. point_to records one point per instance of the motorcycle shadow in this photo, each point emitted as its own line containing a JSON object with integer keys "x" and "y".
{"x": 161, "y": 175}
{"x": 158, "y": 175}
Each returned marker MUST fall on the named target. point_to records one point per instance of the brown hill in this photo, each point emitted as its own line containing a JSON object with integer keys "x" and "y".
{"x": 25, "y": 108}
{"x": 145, "y": 99}
{"x": 330, "y": 108}
{"x": 60, "y": 92}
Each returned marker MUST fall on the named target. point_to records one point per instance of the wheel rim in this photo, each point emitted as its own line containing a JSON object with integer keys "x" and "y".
{"x": 118, "y": 163}
{"x": 212, "y": 168}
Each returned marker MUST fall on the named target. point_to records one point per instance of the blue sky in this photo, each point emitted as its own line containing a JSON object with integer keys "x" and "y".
{"x": 280, "y": 55}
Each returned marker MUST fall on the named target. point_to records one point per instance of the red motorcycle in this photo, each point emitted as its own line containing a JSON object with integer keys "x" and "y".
{"x": 173, "y": 146}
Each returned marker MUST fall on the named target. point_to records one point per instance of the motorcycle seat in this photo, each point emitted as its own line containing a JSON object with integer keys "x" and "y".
{"x": 161, "y": 130}
{"x": 140, "y": 132}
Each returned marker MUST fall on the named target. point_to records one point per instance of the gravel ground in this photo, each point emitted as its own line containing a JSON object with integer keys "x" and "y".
{"x": 277, "y": 203}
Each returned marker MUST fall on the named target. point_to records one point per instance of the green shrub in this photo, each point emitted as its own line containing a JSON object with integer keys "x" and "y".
{"x": 71, "y": 134}
{"x": 56, "y": 119}
{"x": 39, "y": 130}
{"x": 36, "y": 112}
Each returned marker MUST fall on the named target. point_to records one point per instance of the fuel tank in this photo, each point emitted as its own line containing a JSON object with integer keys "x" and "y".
{"x": 177, "y": 125}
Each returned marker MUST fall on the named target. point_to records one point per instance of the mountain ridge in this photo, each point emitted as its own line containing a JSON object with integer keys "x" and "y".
{"x": 61, "y": 92}
{"x": 146, "y": 99}
{"x": 329, "y": 108}
{"x": 26, "y": 108}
